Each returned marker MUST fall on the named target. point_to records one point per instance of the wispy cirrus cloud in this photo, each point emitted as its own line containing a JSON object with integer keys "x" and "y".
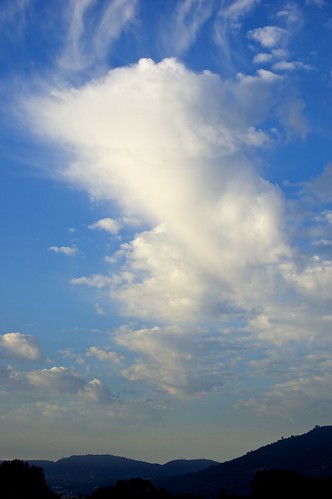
{"x": 73, "y": 56}
{"x": 226, "y": 26}
{"x": 316, "y": 3}
{"x": 233, "y": 10}
{"x": 14, "y": 12}
{"x": 92, "y": 31}
{"x": 184, "y": 26}
{"x": 116, "y": 17}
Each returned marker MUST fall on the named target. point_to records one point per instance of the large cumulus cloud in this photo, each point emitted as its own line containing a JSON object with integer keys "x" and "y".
{"x": 168, "y": 145}
{"x": 171, "y": 148}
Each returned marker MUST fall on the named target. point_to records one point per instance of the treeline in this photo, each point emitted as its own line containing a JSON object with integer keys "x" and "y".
{"x": 19, "y": 480}
{"x": 136, "y": 488}
{"x": 271, "y": 484}
{"x": 285, "y": 484}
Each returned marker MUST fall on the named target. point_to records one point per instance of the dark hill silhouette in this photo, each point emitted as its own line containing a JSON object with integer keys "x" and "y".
{"x": 82, "y": 474}
{"x": 309, "y": 454}
{"x": 182, "y": 466}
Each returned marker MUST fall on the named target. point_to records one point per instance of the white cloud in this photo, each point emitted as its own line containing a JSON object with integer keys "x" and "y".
{"x": 64, "y": 250}
{"x": 292, "y": 116}
{"x": 296, "y": 321}
{"x": 20, "y": 345}
{"x": 116, "y": 17}
{"x": 89, "y": 41}
{"x": 262, "y": 57}
{"x": 156, "y": 280}
{"x": 290, "y": 66}
{"x": 310, "y": 394}
{"x": 320, "y": 187}
{"x": 226, "y": 27}
{"x": 50, "y": 409}
{"x": 316, "y": 3}
{"x": 280, "y": 53}
{"x": 96, "y": 391}
{"x": 169, "y": 146}
{"x": 58, "y": 381}
{"x": 254, "y": 137}
{"x": 292, "y": 16}
{"x": 72, "y": 57}
{"x": 284, "y": 66}
{"x": 322, "y": 242}
{"x": 9, "y": 377}
{"x": 131, "y": 221}
{"x": 107, "y": 224}
{"x": 237, "y": 8}
{"x": 262, "y": 75}
{"x": 314, "y": 280}
{"x": 213, "y": 220}
{"x": 185, "y": 24}
{"x": 172, "y": 359}
{"x": 14, "y": 13}
{"x": 275, "y": 55}
{"x": 94, "y": 281}
{"x": 269, "y": 36}
{"x": 328, "y": 215}
{"x": 99, "y": 309}
{"x": 104, "y": 355}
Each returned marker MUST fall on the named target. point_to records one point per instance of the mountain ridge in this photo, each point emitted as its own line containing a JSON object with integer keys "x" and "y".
{"x": 81, "y": 474}
{"x": 309, "y": 454}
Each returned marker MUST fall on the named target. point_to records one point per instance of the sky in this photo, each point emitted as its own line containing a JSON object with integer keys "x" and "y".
{"x": 166, "y": 226}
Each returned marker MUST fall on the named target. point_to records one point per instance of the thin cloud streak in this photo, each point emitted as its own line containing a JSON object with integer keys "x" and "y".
{"x": 188, "y": 19}
{"x": 88, "y": 43}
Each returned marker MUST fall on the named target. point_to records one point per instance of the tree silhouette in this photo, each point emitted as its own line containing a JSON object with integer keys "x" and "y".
{"x": 131, "y": 489}
{"x": 287, "y": 483}
{"x": 19, "y": 480}
{"x": 136, "y": 488}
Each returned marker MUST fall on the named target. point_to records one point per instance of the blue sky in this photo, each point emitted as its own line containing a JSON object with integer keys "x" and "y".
{"x": 166, "y": 221}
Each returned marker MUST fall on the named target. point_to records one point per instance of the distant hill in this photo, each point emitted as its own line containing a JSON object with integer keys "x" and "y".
{"x": 82, "y": 474}
{"x": 310, "y": 454}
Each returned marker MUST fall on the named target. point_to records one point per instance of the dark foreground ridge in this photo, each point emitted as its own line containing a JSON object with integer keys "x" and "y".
{"x": 309, "y": 454}
{"x": 300, "y": 461}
